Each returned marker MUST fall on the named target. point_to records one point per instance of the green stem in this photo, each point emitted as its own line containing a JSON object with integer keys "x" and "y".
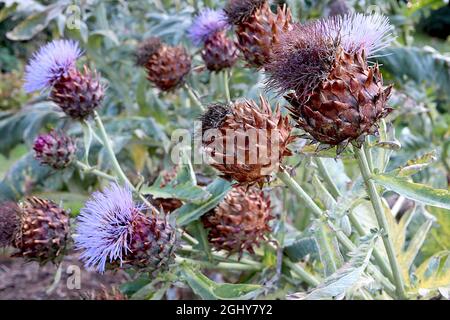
{"x": 87, "y": 169}
{"x": 110, "y": 151}
{"x": 221, "y": 265}
{"x": 342, "y": 238}
{"x": 300, "y": 272}
{"x": 326, "y": 176}
{"x": 382, "y": 221}
{"x": 381, "y": 262}
{"x": 194, "y": 97}
{"x": 218, "y": 255}
{"x": 226, "y": 76}
{"x": 295, "y": 187}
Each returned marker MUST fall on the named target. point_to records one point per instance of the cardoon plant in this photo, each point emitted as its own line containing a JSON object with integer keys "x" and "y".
{"x": 322, "y": 68}
{"x": 53, "y": 67}
{"x": 114, "y": 230}
{"x": 257, "y": 28}
{"x": 209, "y": 28}
{"x": 249, "y": 210}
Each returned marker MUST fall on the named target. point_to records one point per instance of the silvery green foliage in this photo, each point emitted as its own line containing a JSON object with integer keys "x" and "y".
{"x": 410, "y": 152}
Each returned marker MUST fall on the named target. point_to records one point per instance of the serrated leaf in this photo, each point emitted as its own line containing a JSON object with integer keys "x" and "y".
{"x": 415, "y": 191}
{"x": 406, "y": 259}
{"x": 185, "y": 192}
{"x": 343, "y": 279}
{"x": 190, "y": 212}
{"x": 389, "y": 145}
{"x": 106, "y": 34}
{"x": 210, "y": 290}
{"x": 36, "y": 22}
{"x": 417, "y": 165}
{"x": 434, "y": 272}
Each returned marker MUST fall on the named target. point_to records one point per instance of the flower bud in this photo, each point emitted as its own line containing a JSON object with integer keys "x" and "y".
{"x": 54, "y": 149}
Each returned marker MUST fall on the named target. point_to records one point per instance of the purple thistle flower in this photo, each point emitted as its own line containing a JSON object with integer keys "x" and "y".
{"x": 105, "y": 226}
{"x": 50, "y": 63}
{"x": 206, "y": 24}
{"x": 359, "y": 32}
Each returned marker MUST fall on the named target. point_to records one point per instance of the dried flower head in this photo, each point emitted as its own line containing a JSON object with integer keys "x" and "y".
{"x": 50, "y": 63}
{"x": 167, "y": 66}
{"x": 54, "y": 149}
{"x": 113, "y": 228}
{"x": 9, "y": 222}
{"x": 78, "y": 93}
{"x": 246, "y": 142}
{"x": 322, "y": 68}
{"x": 257, "y": 29}
{"x": 146, "y": 49}
{"x": 303, "y": 58}
{"x": 240, "y": 222}
{"x": 43, "y": 232}
{"x": 239, "y": 10}
{"x": 206, "y": 24}
{"x": 219, "y": 52}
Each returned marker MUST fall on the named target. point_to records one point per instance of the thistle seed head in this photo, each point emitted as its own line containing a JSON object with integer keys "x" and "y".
{"x": 238, "y": 11}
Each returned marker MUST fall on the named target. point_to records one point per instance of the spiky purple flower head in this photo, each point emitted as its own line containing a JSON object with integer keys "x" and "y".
{"x": 359, "y": 32}
{"x": 206, "y": 24}
{"x": 105, "y": 226}
{"x": 52, "y": 61}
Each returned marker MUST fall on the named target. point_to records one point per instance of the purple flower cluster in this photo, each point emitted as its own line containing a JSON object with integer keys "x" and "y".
{"x": 206, "y": 24}
{"x": 105, "y": 226}
{"x": 51, "y": 62}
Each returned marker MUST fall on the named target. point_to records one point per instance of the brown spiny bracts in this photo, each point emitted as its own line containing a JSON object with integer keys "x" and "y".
{"x": 153, "y": 245}
{"x": 240, "y": 222}
{"x": 166, "y": 66}
{"x": 43, "y": 231}
{"x": 257, "y": 29}
{"x": 54, "y": 149}
{"x": 146, "y": 49}
{"x": 322, "y": 69}
{"x": 9, "y": 222}
{"x": 245, "y": 141}
{"x": 219, "y": 52}
{"x": 78, "y": 93}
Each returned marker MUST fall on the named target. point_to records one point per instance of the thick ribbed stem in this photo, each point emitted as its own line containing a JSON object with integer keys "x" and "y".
{"x": 85, "y": 168}
{"x": 109, "y": 150}
{"x": 382, "y": 221}
{"x": 379, "y": 259}
{"x": 194, "y": 97}
{"x": 300, "y": 272}
{"x": 221, "y": 265}
{"x": 328, "y": 180}
{"x": 342, "y": 238}
{"x": 226, "y": 79}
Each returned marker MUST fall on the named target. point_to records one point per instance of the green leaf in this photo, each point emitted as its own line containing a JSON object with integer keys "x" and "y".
{"x": 185, "y": 192}
{"x": 106, "y": 34}
{"x": 417, "y": 165}
{"x": 192, "y": 211}
{"x": 210, "y": 290}
{"x": 434, "y": 272}
{"x": 406, "y": 259}
{"x": 344, "y": 279}
{"x": 415, "y": 191}
{"x": 36, "y": 22}
{"x": 300, "y": 248}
